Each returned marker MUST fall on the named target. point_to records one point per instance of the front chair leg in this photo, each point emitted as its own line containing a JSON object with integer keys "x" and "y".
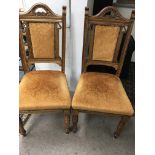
{"x": 74, "y": 120}
{"x": 67, "y": 121}
{"x": 120, "y": 126}
{"x": 21, "y": 128}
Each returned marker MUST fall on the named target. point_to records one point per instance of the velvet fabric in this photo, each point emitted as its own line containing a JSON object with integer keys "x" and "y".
{"x": 44, "y": 90}
{"x": 105, "y": 40}
{"x": 42, "y": 38}
{"x": 101, "y": 92}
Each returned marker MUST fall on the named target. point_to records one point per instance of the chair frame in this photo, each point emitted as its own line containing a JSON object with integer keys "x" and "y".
{"x": 100, "y": 19}
{"x": 48, "y": 16}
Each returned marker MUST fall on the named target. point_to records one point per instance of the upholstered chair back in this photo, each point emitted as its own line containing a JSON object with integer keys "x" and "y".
{"x": 42, "y": 38}
{"x": 105, "y": 41}
{"x": 41, "y": 27}
{"x": 103, "y": 37}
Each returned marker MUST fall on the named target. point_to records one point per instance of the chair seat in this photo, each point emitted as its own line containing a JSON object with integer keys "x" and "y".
{"x": 101, "y": 92}
{"x": 44, "y": 90}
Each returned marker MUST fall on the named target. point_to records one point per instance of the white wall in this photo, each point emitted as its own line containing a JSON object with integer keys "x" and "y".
{"x": 90, "y": 5}
{"x": 77, "y": 25}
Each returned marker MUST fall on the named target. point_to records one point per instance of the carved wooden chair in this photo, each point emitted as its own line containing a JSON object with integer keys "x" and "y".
{"x": 103, "y": 92}
{"x": 45, "y": 90}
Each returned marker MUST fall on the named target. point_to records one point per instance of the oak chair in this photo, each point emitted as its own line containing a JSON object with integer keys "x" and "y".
{"x": 103, "y": 93}
{"x": 44, "y": 90}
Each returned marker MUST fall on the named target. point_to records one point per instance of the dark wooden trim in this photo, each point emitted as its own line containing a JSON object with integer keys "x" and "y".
{"x": 32, "y": 11}
{"x": 85, "y": 37}
{"x": 63, "y": 38}
{"x": 119, "y": 40}
{"x": 67, "y": 121}
{"x": 121, "y": 125}
{"x": 74, "y": 120}
{"x": 29, "y": 42}
{"x": 91, "y": 43}
{"x": 126, "y": 42}
{"x": 23, "y": 52}
{"x": 21, "y": 127}
{"x": 41, "y": 111}
{"x": 56, "y": 39}
{"x": 26, "y": 119}
{"x": 41, "y": 20}
{"x": 98, "y": 113}
{"x": 111, "y": 9}
{"x": 45, "y": 60}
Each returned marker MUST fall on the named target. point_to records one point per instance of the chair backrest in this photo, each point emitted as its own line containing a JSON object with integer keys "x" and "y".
{"x": 103, "y": 36}
{"x": 42, "y": 26}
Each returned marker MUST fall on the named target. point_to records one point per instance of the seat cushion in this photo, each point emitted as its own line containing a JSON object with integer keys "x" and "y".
{"x": 44, "y": 90}
{"x": 101, "y": 92}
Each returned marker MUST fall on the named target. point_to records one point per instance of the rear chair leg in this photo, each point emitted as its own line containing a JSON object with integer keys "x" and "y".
{"x": 121, "y": 125}
{"x": 74, "y": 120}
{"x": 67, "y": 121}
{"x": 21, "y": 128}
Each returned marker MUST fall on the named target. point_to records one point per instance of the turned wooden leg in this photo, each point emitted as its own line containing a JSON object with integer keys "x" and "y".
{"x": 21, "y": 128}
{"x": 120, "y": 126}
{"x": 67, "y": 121}
{"x": 74, "y": 120}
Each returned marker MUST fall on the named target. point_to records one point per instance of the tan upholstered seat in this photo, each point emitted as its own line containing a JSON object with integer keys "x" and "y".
{"x": 44, "y": 90}
{"x": 101, "y": 92}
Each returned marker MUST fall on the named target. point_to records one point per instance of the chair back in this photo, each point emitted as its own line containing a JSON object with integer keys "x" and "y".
{"x": 42, "y": 26}
{"x": 103, "y": 36}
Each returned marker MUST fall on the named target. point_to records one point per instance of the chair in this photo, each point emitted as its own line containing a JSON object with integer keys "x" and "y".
{"x": 103, "y": 93}
{"x": 44, "y": 90}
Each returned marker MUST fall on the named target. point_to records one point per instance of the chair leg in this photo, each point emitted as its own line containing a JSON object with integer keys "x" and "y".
{"x": 67, "y": 121}
{"x": 121, "y": 125}
{"x": 74, "y": 120}
{"x": 21, "y": 128}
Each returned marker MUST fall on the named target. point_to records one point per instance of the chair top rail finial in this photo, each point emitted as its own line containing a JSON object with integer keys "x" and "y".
{"x": 111, "y": 9}
{"x": 46, "y": 11}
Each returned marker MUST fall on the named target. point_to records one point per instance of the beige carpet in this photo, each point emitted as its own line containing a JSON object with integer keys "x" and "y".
{"x": 94, "y": 136}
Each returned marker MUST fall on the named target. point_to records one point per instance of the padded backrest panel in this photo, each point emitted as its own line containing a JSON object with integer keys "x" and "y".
{"x": 42, "y": 38}
{"x": 105, "y": 40}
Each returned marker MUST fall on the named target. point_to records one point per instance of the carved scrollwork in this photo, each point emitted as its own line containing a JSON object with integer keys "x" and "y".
{"x": 23, "y": 26}
{"x": 112, "y": 12}
{"x": 58, "y": 26}
{"x": 40, "y": 9}
{"x": 90, "y": 26}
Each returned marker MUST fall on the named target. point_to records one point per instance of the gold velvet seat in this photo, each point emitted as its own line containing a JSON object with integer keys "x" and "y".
{"x": 44, "y": 90}
{"x": 103, "y": 45}
{"x": 101, "y": 92}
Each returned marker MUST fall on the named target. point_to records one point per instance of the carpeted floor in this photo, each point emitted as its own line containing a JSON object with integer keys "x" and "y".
{"x": 94, "y": 136}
